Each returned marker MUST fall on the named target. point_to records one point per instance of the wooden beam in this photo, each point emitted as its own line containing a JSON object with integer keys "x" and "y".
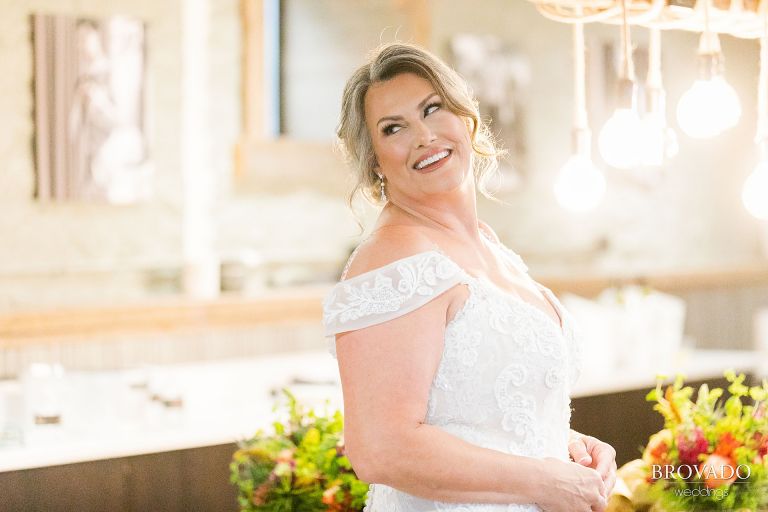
{"x": 587, "y": 285}
{"x": 303, "y": 305}
{"x": 298, "y": 305}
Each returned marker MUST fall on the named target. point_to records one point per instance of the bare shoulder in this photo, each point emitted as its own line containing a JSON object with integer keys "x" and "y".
{"x": 488, "y": 230}
{"x": 389, "y": 244}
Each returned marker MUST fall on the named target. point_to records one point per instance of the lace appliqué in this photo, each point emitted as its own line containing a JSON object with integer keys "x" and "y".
{"x": 459, "y": 356}
{"x": 418, "y": 276}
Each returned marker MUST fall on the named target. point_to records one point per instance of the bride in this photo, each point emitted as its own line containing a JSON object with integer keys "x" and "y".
{"x": 455, "y": 365}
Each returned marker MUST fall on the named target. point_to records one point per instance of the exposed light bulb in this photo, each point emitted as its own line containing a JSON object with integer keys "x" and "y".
{"x": 708, "y": 108}
{"x": 619, "y": 140}
{"x": 653, "y": 141}
{"x": 658, "y": 142}
{"x": 580, "y": 186}
{"x": 754, "y": 194}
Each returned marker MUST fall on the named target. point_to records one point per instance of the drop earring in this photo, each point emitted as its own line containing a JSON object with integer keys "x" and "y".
{"x": 381, "y": 186}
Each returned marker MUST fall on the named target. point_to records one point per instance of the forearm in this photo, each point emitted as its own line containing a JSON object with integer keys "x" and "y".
{"x": 433, "y": 464}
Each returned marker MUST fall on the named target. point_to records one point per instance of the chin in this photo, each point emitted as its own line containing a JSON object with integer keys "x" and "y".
{"x": 450, "y": 181}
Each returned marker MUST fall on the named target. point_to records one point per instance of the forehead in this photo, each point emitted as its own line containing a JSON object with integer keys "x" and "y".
{"x": 396, "y": 96}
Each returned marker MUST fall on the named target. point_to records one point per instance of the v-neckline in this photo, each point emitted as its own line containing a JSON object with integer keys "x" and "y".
{"x": 543, "y": 290}
{"x": 559, "y": 326}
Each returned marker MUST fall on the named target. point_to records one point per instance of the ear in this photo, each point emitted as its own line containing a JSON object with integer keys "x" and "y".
{"x": 469, "y": 123}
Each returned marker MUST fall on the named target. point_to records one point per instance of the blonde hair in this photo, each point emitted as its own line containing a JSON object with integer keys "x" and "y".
{"x": 385, "y": 63}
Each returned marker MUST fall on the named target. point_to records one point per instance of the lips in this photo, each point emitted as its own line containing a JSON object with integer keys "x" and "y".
{"x": 431, "y": 157}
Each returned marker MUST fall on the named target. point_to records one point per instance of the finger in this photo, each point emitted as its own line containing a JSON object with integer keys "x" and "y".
{"x": 578, "y": 451}
{"x": 599, "y": 504}
{"x": 609, "y": 484}
{"x": 605, "y": 456}
{"x": 603, "y": 491}
{"x": 610, "y": 481}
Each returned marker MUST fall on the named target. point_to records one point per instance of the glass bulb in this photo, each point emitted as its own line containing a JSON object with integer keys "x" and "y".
{"x": 653, "y": 141}
{"x": 754, "y": 195}
{"x": 658, "y": 142}
{"x": 671, "y": 146}
{"x": 619, "y": 140}
{"x": 708, "y": 108}
{"x": 580, "y": 186}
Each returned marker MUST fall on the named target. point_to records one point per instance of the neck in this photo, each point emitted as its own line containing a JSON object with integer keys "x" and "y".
{"x": 454, "y": 212}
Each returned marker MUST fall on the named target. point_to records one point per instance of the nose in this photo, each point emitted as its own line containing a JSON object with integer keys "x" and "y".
{"x": 424, "y": 134}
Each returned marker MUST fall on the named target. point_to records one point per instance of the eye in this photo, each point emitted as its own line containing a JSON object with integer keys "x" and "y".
{"x": 432, "y": 107}
{"x": 390, "y": 129}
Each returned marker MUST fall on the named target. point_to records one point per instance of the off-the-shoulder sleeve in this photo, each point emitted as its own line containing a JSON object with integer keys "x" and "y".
{"x": 387, "y": 292}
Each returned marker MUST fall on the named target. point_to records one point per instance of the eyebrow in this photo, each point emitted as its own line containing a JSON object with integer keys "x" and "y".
{"x": 419, "y": 106}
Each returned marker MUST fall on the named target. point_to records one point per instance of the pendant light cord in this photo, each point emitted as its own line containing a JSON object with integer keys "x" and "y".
{"x": 579, "y": 71}
{"x": 627, "y": 67}
{"x": 761, "y": 137}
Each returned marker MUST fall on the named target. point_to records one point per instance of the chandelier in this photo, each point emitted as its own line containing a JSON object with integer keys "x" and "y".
{"x": 739, "y": 18}
{"x": 632, "y": 139}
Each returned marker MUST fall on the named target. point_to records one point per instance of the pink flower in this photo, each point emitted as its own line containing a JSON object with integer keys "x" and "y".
{"x": 761, "y": 443}
{"x": 691, "y": 445}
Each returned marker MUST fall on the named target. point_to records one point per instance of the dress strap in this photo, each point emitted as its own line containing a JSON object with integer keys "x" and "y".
{"x": 508, "y": 253}
{"x": 349, "y": 261}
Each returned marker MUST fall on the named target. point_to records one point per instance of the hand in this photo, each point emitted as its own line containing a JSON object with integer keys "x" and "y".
{"x": 593, "y": 453}
{"x": 570, "y": 487}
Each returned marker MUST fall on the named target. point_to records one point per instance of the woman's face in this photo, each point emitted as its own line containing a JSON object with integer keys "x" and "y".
{"x": 421, "y": 148}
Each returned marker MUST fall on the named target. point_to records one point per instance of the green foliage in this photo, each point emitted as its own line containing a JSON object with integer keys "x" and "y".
{"x": 300, "y": 468}
{"x": 704, "y": 433}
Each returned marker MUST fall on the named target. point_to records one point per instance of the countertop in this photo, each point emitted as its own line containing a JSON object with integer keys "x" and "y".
{"x": 104, "y": 416}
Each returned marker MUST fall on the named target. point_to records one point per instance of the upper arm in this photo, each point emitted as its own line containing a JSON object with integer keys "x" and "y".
{"x": 387, "y": 369}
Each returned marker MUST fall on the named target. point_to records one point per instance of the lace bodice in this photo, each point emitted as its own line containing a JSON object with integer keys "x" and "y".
{"x": 506, "y": 370}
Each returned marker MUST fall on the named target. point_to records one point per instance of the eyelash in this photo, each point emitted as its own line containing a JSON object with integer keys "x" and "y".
{"x": 387, "y": 129}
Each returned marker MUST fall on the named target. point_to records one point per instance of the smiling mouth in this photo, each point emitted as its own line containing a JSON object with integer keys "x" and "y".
{"x": 427, "y": 162}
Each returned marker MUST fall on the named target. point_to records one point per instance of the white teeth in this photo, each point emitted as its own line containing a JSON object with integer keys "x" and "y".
{"x": 434, "y": 158}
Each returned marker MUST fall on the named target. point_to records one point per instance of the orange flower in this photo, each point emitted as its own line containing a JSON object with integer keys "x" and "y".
{"x": 657, "y": 451}
{"x": 285, "y": 455}
{"x": 669, "y": 396}
{"x": 329, "y": 495}
{"x": 718, "y": 470}
{"x": 726, "y": 444}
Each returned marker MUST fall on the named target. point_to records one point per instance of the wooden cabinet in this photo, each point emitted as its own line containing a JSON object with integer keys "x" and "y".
{"x": 179, "y": 481}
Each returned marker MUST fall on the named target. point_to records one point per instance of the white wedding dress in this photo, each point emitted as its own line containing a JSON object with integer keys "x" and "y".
{"x": 506, "y": 370}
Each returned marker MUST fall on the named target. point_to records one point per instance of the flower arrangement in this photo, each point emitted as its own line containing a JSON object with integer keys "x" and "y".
{"x": 711, "y": 455}
{"x": 301, "y": 467}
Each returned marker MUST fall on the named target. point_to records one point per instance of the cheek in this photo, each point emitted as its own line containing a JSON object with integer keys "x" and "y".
{"x": 463, "y": 134}
{"x": 390, "y": 152}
